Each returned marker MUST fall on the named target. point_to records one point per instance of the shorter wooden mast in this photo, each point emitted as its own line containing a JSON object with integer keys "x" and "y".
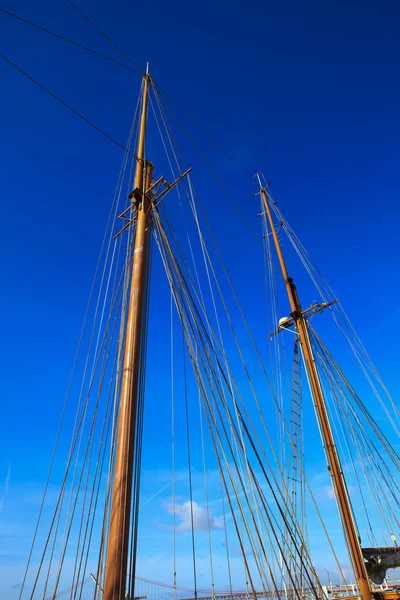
{"x": 334, "y": 465}
{"x": 118, "y": 541}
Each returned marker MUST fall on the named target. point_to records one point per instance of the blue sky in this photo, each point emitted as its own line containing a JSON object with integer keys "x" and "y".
{"x": 306, "y": 92}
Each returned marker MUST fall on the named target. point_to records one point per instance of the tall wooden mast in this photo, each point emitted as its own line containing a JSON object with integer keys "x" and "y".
{"x": 334, "y": 465}
{"x": 118, "y": 541}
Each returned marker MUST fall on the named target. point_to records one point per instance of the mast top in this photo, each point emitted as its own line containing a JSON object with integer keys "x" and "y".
{"x": 147, "y": 67}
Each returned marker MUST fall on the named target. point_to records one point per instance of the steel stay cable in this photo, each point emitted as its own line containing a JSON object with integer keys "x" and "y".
{"x": 318, "y": 513}
{"x": 63, "y": 486}
{"x": 173, "y": 443}
{"x": 289, "y": 529}
{"x": 206, "y": 259}
{"x": 185, "y": 393}
{"x": 371, "y": 421}
{"x": 202, "y": 242}
{"x": 201, "y": 384}
{"x": 219, "y": 334}
{"x": 337, "y": 311}
{"x": 126, "y": 286}
{"x": 222, "y": 347}
{"x": 216, "y": 279}
{"x": 360, "y": 426}
{"x": 238, "y": 303}
{"x": 225, "y": 532}
{"x": 375, "y": 484}
{"x": 139, "y": 426}
{"x": 100, "y": 465}
{"x": 368, "y": 451}
{"x": 67, "y": 396}
{"x": 250, "y": 177}
{"x": 190, "y": 194}
{"x": 68, "y": 106}
{"x": 121, "y": 338}
{"x": 93, "y": 24}
{"x": 105, "y": 360}
{"x": 206, "y": 494}
{"x": 69, "y": 41}
{"x": 218, "y": 181}
{"x": 174, "y": 291}
{"x": 109, "y": 223}
{"x": 107, "y": 502}
{"x": 83, "y": 421}
{"x": 322, "y": 523}
{"x": 369, "y": 380}
{"x": 122, "y": 497}
{"x": 134, "y": 68}
{"x": 347, "y": 428}
{"x": 68, "y": 531}
{"x": 203, "y": 304}
{"x": 357, "y": 443}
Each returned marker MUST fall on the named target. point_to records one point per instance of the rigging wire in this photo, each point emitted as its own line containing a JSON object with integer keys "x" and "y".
{"x": 205, "y": 217}
{"x": 216, "y": 144}
{"x": 339, "y": 315}
{"x": 337, "y": 378}
{"x": 201, "y": 299}
{"x": 209, "y": 137}
{"x": 219, "y": 378}
{"x": 356, "y": 347}
{"x": 83, "y": 326}
{"x": 69, "y": 41}
{"x": 370, "y": 458}
{"x": 173, "y": 444}
{"x": 107, "y": 339}
{"x": 78, "y": 422}
{"x": 137, "y": 469}
{"x": 211, "y": 416}
{"x": 108, "y": 58}
{"x": 117, "y": 196}
{"x": 202, "y": 243}
{"x": 213, "y": 173}
{"x": 68, "y": 106}
{"x": 189, "y": 467}
{"x": 177, "y": 295}
{"x": 93, "y": 24}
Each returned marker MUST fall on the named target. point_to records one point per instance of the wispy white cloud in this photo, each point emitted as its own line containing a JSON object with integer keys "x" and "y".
{"x": 329, "y": 492}
{"x": 187, "y": 512}
{"x": 6, "y": 485}
{"x": 7, "y": 481}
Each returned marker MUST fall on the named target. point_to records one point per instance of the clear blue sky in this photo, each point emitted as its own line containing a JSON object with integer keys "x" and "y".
{"x": 307, "y": 92}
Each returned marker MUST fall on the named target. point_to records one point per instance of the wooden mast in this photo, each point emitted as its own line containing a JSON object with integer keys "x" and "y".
{"x": 334, "y": 465}
{"x": 118, "y": 541}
